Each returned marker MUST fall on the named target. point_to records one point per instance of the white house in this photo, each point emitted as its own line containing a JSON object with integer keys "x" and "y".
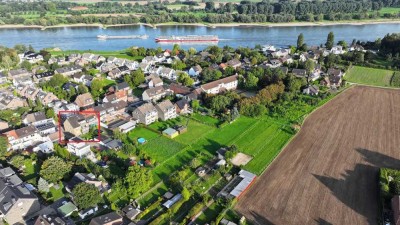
{"x": 79, "y": 148}
{"x": 195, "y": 71}
{"x": 23, "y": 137}
{"x": 215, "y": 87}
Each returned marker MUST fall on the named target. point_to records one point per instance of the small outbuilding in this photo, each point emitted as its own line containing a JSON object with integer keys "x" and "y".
{"x": 181, "y": 129}
{"x": 171, "y": 133}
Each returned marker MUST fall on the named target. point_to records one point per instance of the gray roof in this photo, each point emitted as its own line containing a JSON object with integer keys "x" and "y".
{"x": 10, "y": 191}
{"x": 164, "y": 106}
{"x": 247, "y": 178}
{"x": 25, "y": 131}
{"x": 107, "y": 218}
{"x": 155, "y": 91}
{"x": 36, "y": 116}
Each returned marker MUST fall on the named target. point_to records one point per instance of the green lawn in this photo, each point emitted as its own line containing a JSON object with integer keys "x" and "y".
{"x": 57, "y": 193}
{"x": 369, "y": 76}
{"x": 195, "y": 131}
{"x": 210, "y": 214}
{"x": 206, "y": 119}
{"x": 161, "y": 148}
{"x": 119, "y": 53}
{"x": 389, "y": 10}
{"x": 154, "y": 195}
{"x": 141, "y": 132}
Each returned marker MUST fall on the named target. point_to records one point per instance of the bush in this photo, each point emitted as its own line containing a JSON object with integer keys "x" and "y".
{"x": 395, "y": 81}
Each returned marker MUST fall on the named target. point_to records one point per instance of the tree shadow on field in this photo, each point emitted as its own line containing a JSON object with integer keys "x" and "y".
{"x": 321, "y": 221}
{"x": 260, "y": 219}
{"x": 358, "y": 188}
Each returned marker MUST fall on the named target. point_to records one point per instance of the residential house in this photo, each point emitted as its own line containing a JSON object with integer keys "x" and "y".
{"x": 106, "y": 67}
{"x": 84, "y": 79}
{"x": 146, "y": 113}
{"x": 235, "y": 63}
{"x": 337, "y": 50}
{"x": 23, "y": 137}
{"x": 43, "y": 76}
{"x": 36, "y": 119}
{"x": 19, "y": 73}
{"x": 122, "y": 125}
{"x": 67, "y": 86}
{"x": 215, "y": 87}
{"x": 131, "y": 212}
{"x": 166, "y": 110}
{"x": 132, "y": 65}
{"x": 17, "y": 203}
{"x": 300, "y": 73}
{"x": 74, "y": 56}
{"x": 154, "y": 94}
{"x": 69, "y": 70}
{"x": 31, "y": 57}
{"x": 155, "y": 81}
{"x": 311, "y": 90}
{"x": 149, "y": 59}
{"x": 84, "y": 101}
{"x": 8, "y": 101}
{"x": 26, "y": 80}
{"x": 86, "y": 178}
{"x": 79, "y": 124}
{"x": 67, "y": 209}
{"x": 179, "y": 89}
{"x": 108, "y": 219}
{"x": 273, "y": 63}
{"x": 332, "y": 81}
{"x": 49, "y": 220}
{"x": 167, "y": 73}
{"x": 335, "y": 72}
{"x": 182, "y": 107}
{"x": 114, "y": 73}
{"x": 145, "y": 67}
{"x": 195, "y": 71}
{"x": 46, "y": 98}
{"x": 110, "y": 110}
{"x": 87, "y": 212}
{"x": 45, "y": 146}
{"x": 79, "y": 148}
{"x": 281, "y": 53}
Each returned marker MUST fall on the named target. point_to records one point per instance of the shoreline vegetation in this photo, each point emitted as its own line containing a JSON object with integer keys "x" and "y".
{"x": 210, "y": 25}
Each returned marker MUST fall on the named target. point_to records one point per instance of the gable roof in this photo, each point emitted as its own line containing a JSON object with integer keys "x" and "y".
{"x": 154, "y": 91}
{"x": 165, "y": 105}
{"x": 216, "y": 83}
{"x": 34, "y": 117}
{"x": 112, "y": 217}
{"x": 84, "y": 100}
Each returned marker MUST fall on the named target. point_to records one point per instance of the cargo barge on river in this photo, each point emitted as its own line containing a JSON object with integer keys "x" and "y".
{"x": 188, "y": 38}
{"x": 105, "y": 37}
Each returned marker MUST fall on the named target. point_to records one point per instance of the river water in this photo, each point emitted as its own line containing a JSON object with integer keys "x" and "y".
{"x": 84, "y": 38}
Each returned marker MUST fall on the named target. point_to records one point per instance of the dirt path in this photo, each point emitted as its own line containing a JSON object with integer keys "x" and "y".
{"x": 328, "y": 173}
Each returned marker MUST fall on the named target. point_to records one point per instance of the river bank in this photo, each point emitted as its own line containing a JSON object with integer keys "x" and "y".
{"x": 211, "y": 25}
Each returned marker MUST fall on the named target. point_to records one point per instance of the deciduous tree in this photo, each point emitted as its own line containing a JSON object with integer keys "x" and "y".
{"x": 86, "y": 195}
{"x": 54, "y": 169}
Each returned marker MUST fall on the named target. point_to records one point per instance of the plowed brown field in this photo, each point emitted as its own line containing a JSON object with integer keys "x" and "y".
{"x": 328, "y": 173}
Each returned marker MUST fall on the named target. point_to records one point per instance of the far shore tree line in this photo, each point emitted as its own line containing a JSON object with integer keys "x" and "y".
{"x": 53, "y": 13}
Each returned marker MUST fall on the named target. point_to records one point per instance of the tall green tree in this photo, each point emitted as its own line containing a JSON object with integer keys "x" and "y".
{"x": 300, "y": 41}
{"x": 138, "y": 180}
{"x": 330, "y": 41}
{"x": 309, "y": 66}
{"x": 54, "y": 169}
{"x": 3, "y": 146}
{"x": 135, "y": 78}
{"x": 86, "y": 195}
